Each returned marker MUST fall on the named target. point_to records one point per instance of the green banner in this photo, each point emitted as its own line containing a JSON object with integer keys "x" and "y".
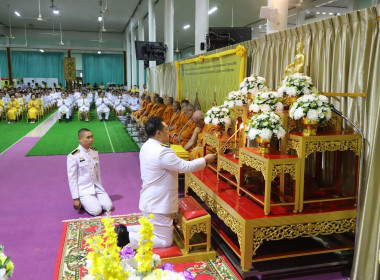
{"x": 220, "y": 75}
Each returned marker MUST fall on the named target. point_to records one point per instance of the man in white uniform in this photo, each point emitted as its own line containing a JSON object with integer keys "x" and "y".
{"x": 159, "y": 167}
{"x": 83, "y": 172}
{"x": 102, "y": 106}
{"x": 63, "y": 107}
{"x": 83, "y": 107}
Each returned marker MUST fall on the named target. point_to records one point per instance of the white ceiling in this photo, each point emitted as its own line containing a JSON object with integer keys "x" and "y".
{"x": 80, "y": 25}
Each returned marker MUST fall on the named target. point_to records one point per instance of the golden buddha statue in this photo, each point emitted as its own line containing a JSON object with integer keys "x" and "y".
{"x": 299, "y": 62}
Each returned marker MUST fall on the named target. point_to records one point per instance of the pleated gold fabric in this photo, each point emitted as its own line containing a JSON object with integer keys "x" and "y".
{"x": 342, "y": 55}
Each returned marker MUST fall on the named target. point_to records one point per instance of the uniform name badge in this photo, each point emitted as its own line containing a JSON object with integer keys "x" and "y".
{"x": 81, "y": 159}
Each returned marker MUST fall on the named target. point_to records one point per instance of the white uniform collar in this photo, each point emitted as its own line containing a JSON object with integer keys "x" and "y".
{"x": 83, "y": 149}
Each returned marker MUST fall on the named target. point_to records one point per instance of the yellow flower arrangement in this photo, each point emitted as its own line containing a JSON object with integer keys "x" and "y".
{"x": 104, "y": 254}
{"x": 240, "y": 51}
{"x": 144, "y": 253}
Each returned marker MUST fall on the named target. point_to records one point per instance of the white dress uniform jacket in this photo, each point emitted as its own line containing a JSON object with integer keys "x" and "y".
{"x": 159, "y": 167}
{"x": 83, "y": 104}
{"x": 83, "y": 172}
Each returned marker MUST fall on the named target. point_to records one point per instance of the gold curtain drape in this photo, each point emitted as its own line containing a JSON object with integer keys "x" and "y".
{"x": 342, "y": 54}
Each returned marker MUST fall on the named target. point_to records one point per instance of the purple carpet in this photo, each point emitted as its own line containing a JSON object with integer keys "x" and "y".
{"x": 35, "y": 198}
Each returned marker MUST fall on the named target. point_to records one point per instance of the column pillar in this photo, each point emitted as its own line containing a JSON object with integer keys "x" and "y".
{"x": 152, "y": 38}
{"x": 129, "y": 71}
{"x": 140, "y": 32}
{"x": 201, "y": 25}
{"x": 169, "y": 29}
{"x": 9, "y": 62}
{"x": 124, "y": 67}
{"x": 300, "y": 17}
{"x": 133, "y": 54}
{"x": 281, "y": 22}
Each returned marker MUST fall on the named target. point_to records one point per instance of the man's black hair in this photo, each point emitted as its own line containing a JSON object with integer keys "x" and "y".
{"x": 185, "y": 101}
{"x": 82, "y": 131}
{"x": 153, "y": 125}
{"x": 160, "y": 100}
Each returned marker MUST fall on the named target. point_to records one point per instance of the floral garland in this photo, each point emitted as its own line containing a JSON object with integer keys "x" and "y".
{"x": 266, "y": 101}
{"x": 6, "y": 265}
{"x": 265, "y": 125}
{"x": 253, "y": 84}
{"x": 235, "y": 98}
{"x": 297, "y": 85}
{"x": 127, "y": 263}
{"x": 314, "y": 107}
{"x": 218, "y": 115}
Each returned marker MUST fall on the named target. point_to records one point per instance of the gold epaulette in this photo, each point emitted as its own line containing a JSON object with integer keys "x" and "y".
{"x": 164, "y": 145}
{"x": 75, "y": 152}
{"x": 92, "y": 148}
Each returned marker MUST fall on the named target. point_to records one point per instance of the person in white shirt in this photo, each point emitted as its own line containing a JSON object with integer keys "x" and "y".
{"x": 102, "y": 106}
{"x": 64, "y": 106}
{"x": 83, "y": 107}
{"x": 83, "y": 173}
{"x": 119, "y": 105}
{"x": 159, "y": 166}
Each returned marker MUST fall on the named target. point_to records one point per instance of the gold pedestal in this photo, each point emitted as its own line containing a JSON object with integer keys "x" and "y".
{"x": 264, "y": 145}
{"x": 310, "y": 127}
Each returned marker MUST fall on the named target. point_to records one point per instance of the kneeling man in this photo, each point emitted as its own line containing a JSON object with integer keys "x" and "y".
{"x": 83, "y": 172}
{"x": 159, "y": 166}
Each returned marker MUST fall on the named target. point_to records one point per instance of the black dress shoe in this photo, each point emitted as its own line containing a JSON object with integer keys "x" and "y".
{"x": 122, "y": 235}
{"x": 60, "y": 120}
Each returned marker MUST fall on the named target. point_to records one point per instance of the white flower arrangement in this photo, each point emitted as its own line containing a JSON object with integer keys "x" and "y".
{"x": 236, "y": 98}
{"x": 314, "y": 107}
{"x": 6, "y": 265}
{"x": 218, "y": 115}
{"x": 266, "y": 101}
{"x": 253, "y": 84}
{"x": 265, "y": 125}
{"x": 297, "y": 85}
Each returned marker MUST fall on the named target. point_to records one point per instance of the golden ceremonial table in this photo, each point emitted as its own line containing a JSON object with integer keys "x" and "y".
{"x": 252, "y": 227}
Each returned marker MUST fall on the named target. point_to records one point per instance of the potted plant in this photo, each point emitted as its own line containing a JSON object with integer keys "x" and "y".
{"x": 236, "y": 98}
{"x": 266, "y": 101}
{"x": 263, "y": 127}
{"x": 252, "y": 85}
{"x": 295, "y": 86}
{"x": 219, "y": 116}
{"x": 314, "y": 109}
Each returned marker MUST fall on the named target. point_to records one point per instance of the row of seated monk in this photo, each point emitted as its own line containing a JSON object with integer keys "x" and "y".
{"x": 186, "y": 124}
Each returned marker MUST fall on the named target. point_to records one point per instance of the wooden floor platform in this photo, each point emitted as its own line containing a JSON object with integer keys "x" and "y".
{"x": 251, "y": 229}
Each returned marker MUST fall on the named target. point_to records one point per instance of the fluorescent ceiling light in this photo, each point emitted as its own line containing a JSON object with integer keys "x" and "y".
{"x": 323, "y": 13}
{"x": 56, "y": 11}
{"x": 99, "y": 52}
{"x": 212, "y": 10}
{"x": 100, "y": 18}
{"x": 17, "y": 14}
{"x": 317, "y": 13}
{"x": 41, "y": 50}
{"x": 186, "y": 26}
{"x": 331, "y": 14}
{"x": 338, "y": 14}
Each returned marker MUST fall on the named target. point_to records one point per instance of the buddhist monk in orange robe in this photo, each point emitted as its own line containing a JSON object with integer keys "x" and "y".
{"x": 195, "y": 145}
{"x": 149, "y": 107}
{"x": 168, "y": 113}
{"x": 142, "y": 109}
{"x": 153, "y": 111}
{"x": 183, "y": 119}
{"x": 175, "y": 117}
{"x": 184, "y": 135}
{"x": 161, "y": 107}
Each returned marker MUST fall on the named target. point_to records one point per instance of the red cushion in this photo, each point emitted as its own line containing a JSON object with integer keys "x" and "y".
{"x": 190, "y": 208}
{"x": 169, "y": 252}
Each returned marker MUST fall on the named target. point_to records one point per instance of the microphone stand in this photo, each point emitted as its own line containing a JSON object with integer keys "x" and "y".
{"x": 360, "y": 170}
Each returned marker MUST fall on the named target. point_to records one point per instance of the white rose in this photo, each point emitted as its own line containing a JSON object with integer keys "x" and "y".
{"x": 215, "y": 121}
{"x": 225, "y": 110}
{"x": 244, "y": 90}
{"x": 323, "y": 98}
{"x": 291, "y": 91}
{"x": 265, "y": 108}
{"x": 251, "y": 134}
{"x": 281, "y": 132}
{"x": 231, "y": 104}
{"x": 264, "y": 95}
{"x": 254, "y": 108}
{"x": 312, "y": 115}
{"x": 298, "y": 113}
{"x": 328, "y": 115}
{"x": 266, "y": 134}
{"x": 306, "y": 90}
{"x": 207, "y": 120}
{"x": 280, "y": 91}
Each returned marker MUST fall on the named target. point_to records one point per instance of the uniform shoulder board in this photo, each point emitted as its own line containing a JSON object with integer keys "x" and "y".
{"x": 75, "y": 152}
{"x": 92, "y": 148}
{"x": 164, "y": 145}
